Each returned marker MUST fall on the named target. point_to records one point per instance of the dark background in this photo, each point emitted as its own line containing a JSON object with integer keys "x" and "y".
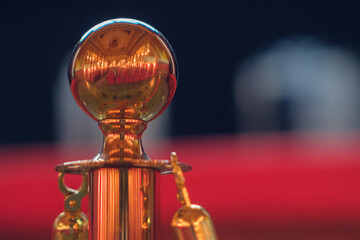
{"x": 210, "y": 40}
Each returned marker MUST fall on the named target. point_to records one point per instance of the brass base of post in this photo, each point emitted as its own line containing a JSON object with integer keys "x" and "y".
{"x": 122, "y": 196}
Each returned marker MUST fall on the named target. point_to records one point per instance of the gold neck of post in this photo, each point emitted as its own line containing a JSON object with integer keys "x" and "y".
{"x": 122, "y": 140}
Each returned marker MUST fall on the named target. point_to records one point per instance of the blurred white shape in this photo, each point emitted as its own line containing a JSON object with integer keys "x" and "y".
{"x": 73, "y": 125}
{"x": 299, "y": 84}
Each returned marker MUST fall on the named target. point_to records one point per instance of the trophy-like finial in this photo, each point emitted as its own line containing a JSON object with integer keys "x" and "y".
{"x": 123, "y": 69}
{"x": 123, "y": 74}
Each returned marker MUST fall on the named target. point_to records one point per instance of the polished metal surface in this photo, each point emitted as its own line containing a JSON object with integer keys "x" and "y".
{"x": 123, "y": 75}
{"x": 77, "y": 167}
{"x": 71, "y": 224}
{"x": 193, "y": 223}
{"x": 123, "y": 69}
{"x": 122, "y": 202}
{"x": 190, "y": 222}
{"x": 73, "y": 197}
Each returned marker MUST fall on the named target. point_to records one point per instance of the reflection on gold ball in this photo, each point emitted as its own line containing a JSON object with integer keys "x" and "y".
{"x": 125, "y": 69}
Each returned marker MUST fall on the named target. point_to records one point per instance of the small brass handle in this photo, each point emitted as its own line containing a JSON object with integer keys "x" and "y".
{"x": 71, "y": 224}
{"x": 73, "y": 197}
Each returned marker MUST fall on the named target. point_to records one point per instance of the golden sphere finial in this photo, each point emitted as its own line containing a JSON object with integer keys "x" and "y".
{"x": 123, "y": 69}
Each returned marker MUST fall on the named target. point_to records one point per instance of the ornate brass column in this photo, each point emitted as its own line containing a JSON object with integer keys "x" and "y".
{"x": 123, "y": 75}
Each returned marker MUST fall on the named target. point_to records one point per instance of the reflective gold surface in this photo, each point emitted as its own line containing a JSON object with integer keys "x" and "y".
{"x": 77, "y": 167}
{"x": 182, "y": 195}
{"x": 73, "y": 197}
{"x": 71, "y": 224}
{"x": 122, "y": 141}
{"x": 123, "y": 69}
{"x": 123, "y": 203}
{"x": 193, "y": 223}
{"x": 122, "y": 74}
{"x": 190, "y": 222}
